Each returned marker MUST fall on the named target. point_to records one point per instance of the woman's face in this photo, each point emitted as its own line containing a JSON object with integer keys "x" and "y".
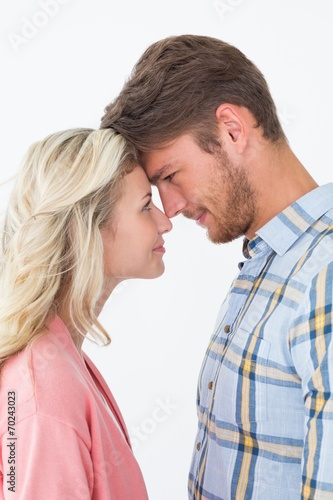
{"x": 133, "y": 242}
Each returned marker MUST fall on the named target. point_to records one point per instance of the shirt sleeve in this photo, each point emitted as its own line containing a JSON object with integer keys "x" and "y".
{"x": 312, "y": 351}
{"x": 51, "y": 462}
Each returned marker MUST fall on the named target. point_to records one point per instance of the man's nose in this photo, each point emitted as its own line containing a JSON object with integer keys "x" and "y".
{"x": 172, "y": 198}
{"x": 173, "y": 203}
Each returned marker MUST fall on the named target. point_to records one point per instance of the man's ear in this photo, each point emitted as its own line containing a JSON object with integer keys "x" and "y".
{"x": 233, "y": 125}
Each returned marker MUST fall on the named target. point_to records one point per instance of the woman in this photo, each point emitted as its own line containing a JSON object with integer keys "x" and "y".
{"x": 80, "y": 220}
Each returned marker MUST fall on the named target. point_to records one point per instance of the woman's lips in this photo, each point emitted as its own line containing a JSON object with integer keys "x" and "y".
{"x": 160, "y": 248}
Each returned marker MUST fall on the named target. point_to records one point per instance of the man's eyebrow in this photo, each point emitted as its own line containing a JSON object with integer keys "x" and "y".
{"x": 158, "y": 174}
{"x": 148, "y": 195}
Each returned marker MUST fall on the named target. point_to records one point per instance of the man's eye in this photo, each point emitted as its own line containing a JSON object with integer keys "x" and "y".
{"x": 169, "y": 177}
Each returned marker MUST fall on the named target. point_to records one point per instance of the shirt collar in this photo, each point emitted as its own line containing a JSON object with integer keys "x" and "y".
{"x": 281, "y": 232}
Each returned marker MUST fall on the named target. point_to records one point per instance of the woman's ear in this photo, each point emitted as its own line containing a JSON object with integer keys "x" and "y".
{"x": 233, "y": 125}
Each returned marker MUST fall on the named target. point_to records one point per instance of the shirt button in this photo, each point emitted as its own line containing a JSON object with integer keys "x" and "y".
{"x": 210, "y": 385}
{"x": 227, "y": 328}
{"x": 198, "y": 446}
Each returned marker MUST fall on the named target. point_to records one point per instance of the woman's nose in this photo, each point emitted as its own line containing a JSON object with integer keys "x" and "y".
{"x": 164, "y": 223}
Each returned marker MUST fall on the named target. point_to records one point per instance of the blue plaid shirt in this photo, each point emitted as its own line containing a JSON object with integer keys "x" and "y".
{"x": 265, "y": 402}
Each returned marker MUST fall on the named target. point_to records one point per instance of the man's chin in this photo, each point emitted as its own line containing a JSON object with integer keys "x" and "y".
{"x": 218, "y": 237}
{"x": 216, "y": 241}
{"x": 213, "y": 236}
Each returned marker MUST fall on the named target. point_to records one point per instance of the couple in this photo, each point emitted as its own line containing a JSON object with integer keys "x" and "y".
{"x": 197, "y": 120}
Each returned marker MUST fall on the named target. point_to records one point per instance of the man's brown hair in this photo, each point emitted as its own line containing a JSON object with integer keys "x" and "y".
{"x": 176, "y": 87}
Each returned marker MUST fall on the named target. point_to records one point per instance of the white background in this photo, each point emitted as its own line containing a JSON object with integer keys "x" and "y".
{"x": 61, "y": 63}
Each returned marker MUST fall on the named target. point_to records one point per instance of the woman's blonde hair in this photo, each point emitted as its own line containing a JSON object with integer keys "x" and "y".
{"x": 51, "y": 246}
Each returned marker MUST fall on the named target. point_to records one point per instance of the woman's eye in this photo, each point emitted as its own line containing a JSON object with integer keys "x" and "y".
{"x": 148, "y": 205}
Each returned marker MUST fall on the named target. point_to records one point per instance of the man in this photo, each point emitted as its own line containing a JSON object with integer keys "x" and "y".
{"x": 206, "y": 130}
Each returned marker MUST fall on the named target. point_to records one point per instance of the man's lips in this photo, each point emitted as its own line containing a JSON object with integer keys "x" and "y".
{"x": 201, "y": 219}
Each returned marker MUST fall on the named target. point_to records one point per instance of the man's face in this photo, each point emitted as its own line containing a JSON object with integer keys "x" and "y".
{"x": 204, "y": 187}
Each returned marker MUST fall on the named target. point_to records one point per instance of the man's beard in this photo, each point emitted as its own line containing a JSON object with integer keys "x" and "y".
{"x": 230, "y": 201}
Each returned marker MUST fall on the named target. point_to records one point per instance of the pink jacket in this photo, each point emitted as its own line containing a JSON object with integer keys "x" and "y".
{"x": 62, "y": 436}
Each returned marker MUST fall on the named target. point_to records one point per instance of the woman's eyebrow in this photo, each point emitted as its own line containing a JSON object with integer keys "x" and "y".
{"x": 147, "y": 195}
